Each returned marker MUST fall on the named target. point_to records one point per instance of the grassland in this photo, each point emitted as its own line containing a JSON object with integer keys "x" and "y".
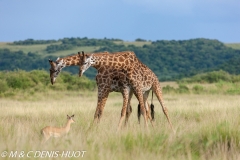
{"x": 40, "y": 48}
{"x": 207, "y": 127}
{"x": 233, "y": 45}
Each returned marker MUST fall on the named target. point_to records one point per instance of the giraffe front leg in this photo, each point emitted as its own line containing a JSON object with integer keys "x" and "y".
{"x": 102, "y": 98}
{"x": 125, "y": 94}
{"x": 129, "y": 107}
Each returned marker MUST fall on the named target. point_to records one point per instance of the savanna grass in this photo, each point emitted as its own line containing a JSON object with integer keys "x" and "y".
{"x": 207, "y": 127}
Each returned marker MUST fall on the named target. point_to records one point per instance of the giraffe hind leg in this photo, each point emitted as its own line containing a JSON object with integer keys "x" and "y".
{"x": 139, "y": 95}
{"x": 158, "y": 92}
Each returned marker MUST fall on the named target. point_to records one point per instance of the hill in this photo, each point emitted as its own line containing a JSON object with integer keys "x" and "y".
{"x": 170, "y": 60}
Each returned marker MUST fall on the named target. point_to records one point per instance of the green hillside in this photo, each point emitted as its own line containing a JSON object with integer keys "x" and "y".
{"x": 233, "y": 45}
{"x": 170, "y": 60}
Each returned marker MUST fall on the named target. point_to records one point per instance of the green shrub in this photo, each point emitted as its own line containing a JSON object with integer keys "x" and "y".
{"x": 211, "y": 77}
{"x": 3, "y": 86}
{"x": 197, "y": 89}
{"x": 39, "y": 81}
{"x": 20, "y": 81}
{"x": 169, "y": 89}
{"x": 183, "y": 89}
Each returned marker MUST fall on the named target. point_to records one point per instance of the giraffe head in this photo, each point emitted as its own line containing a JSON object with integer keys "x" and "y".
{"x": 85, "y": 62}
{"x": 55, "y": 69}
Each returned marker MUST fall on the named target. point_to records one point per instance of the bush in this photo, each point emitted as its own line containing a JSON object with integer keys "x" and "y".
{"x": 183, "y": 89}
{"x": 197, "y": 89}
{"x": 211, "y": 77}
{"x": 3, "y": 86}
{"x": 19, "y": 80}
{"x": 169, "y": 89}
{"x": 39, "y": 81}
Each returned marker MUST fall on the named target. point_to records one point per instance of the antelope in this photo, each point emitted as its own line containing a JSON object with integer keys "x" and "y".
{"x": 50, "y": 131}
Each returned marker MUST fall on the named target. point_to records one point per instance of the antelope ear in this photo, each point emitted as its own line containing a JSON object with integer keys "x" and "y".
{"x": 50, "y": 61}
{"x": 83, "y": 53}
{"x": 58, "y": 58}
{"x": 72, "y": 115}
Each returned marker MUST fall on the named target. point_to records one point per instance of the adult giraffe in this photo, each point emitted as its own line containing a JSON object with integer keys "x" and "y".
{"x": 116, "y": 84}
{"x": 134, "y": 75}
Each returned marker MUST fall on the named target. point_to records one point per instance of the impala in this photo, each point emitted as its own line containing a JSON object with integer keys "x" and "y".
{"x": 49, "y": 131}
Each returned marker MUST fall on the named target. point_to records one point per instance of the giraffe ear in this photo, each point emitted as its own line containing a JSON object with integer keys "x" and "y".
{"x": 61, "y": 61}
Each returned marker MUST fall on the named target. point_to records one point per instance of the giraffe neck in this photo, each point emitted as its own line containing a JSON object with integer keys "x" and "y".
{"x": 116, "y": 61}
{"x": 70, "y": 60}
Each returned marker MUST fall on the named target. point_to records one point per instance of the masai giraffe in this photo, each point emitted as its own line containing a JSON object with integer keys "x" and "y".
{"x": 137, "y": 78}
{"x": 116, "y": 85}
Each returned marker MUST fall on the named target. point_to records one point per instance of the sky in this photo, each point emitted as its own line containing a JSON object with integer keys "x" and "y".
{"x": 122, "y": 19}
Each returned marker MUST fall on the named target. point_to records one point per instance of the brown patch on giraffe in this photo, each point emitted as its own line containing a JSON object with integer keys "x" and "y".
{"x": 121, "y": 59}
{"x": 126, "y": 62}
{"x": 105, "y": 72}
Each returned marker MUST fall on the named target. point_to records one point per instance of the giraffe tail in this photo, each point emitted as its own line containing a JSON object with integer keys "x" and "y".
{"x": 152, "y": 111}
{"x": 152, "y": 108}
{"x": 139, "y": 113}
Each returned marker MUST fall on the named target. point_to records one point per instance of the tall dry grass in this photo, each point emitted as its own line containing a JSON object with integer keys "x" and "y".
{"x": 207, "y": 127}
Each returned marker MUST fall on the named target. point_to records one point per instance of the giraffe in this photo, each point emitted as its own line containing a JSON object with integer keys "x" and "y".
{"x": 136, "y": 76}
{"x": 74, "y": 60}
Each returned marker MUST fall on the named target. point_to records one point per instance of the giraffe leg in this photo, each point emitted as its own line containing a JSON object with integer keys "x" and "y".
{"x": 102, "y": 98}
{"x": 139, "y": 111}
{"x": 138, "y": 93}
{"x": 147, "y": 107}
{"x": 125, "y": 104}
{"x": 158, "y": 92}
{"x": 149, "y": 113}
{"x": 129, "y": 107}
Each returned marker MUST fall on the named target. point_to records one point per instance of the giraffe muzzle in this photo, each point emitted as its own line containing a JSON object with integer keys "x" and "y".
{"x": 80, "y": 73}
{"x": 53, "y": 80}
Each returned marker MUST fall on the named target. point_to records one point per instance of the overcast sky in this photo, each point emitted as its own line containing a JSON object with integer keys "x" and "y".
{"x": 123, "y": 19}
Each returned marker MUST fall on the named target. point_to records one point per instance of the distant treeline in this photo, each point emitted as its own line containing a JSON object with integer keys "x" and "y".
{"x": 32, "y": 41}
{"x": 170, "y": 60}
